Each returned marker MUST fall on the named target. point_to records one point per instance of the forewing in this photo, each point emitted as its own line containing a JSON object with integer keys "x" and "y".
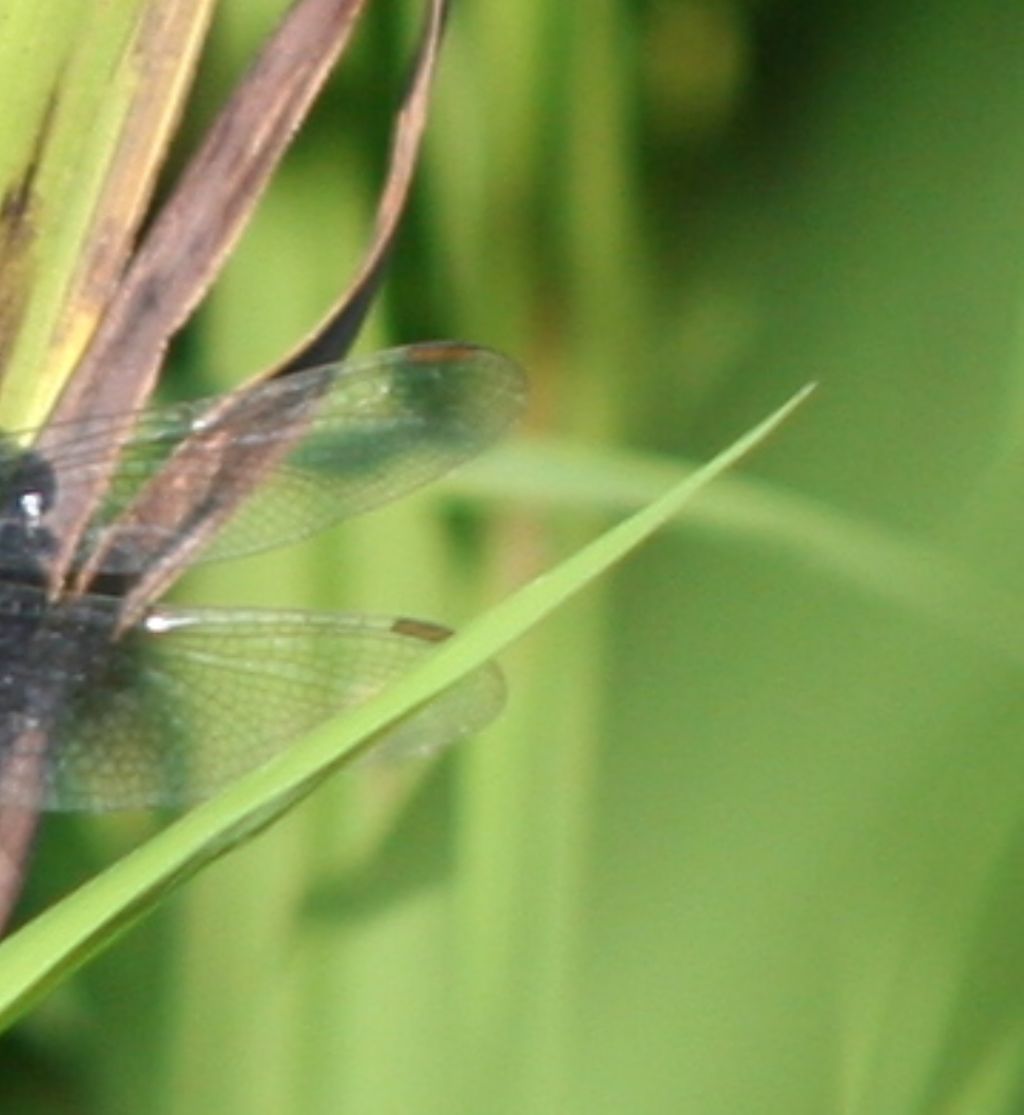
{"x": 189, "y": 700}
{"x": 343, "y": 438}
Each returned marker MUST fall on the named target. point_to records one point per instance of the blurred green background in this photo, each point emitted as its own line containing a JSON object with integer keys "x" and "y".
{"x": 749, "y": 837}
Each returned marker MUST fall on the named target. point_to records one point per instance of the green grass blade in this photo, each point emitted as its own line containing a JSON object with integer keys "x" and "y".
{"x": 91, "y": 102}
{"x": 39, "y": 956}
{"x": 917, "y": 575}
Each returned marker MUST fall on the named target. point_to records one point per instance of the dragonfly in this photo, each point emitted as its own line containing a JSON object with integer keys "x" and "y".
{"x": 110, "y": 699}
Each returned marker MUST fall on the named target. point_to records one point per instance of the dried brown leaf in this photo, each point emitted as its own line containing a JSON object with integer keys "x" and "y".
{"x": 191, "y": 236}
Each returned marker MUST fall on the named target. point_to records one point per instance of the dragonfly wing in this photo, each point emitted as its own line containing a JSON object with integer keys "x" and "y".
{"x": 379, "y": 430}
{"x": 342, "y": 439}
{"x": 190, "y": 699}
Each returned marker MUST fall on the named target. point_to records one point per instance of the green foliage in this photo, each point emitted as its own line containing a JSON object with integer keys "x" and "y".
{"x": 748, "y": 836}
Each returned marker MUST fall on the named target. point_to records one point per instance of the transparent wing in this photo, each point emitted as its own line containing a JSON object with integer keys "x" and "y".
{"x": 345, "y": 438}
{"x": 189, "y": 700}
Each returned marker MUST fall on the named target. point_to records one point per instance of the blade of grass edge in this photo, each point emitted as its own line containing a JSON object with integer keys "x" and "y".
{"x": 41, "y": 954}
